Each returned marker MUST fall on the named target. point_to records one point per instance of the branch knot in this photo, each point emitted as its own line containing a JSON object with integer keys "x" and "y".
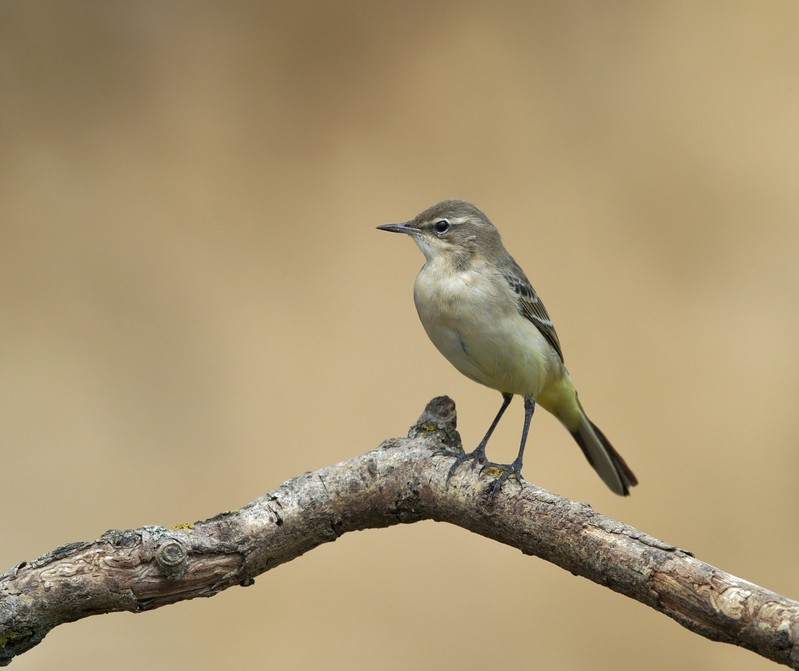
{"x": 172, "y": 558}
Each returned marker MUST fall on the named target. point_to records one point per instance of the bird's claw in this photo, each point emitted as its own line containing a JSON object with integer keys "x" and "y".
{"x": 513, "y": 470}
{"x": 476, "y": 457}
{"x": 507, "y": 471}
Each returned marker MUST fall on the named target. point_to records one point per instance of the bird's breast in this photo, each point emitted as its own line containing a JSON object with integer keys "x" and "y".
{"x": 473, "y": 319}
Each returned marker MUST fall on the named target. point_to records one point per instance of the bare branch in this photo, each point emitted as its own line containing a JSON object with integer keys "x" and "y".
{"x": 402, "y": 481}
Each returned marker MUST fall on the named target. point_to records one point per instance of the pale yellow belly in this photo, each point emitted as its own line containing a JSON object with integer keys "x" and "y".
{"x": 496, "y": 347}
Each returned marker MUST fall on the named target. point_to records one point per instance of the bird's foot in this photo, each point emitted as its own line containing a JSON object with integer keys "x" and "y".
{"x": 476, "y": 457}
{"x": 507, "y": 471}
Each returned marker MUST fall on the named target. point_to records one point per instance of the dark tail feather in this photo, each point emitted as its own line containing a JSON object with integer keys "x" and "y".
{"x": 608, "y": 463}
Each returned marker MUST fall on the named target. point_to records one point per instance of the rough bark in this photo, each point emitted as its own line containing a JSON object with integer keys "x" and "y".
{"x": 402, "y": 481}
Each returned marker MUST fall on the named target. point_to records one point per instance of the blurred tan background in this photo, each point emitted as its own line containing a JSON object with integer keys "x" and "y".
{"x": 196, "y": 305}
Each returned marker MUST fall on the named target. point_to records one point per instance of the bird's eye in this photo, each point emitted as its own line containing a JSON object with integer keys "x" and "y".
{"x": 441, "y": 226}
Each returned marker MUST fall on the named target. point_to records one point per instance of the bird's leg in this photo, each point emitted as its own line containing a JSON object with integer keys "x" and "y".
{"x": 478, "y": 456}
{"x": 515, "y": 469}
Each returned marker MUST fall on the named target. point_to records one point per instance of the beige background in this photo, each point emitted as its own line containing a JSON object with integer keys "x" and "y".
{"x": 196, "y": 305}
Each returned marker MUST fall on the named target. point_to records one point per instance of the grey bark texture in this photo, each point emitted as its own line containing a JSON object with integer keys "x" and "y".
{"x": 402, "y": 481}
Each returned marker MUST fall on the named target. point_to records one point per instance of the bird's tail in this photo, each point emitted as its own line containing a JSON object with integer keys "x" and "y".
{"x": 608, "y": 463}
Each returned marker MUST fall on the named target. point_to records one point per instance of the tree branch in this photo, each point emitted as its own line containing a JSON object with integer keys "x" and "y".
{"x": 402, "y": 481}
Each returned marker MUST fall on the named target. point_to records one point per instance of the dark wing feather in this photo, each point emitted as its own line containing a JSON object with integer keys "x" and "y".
{"x": 530, "y": 305}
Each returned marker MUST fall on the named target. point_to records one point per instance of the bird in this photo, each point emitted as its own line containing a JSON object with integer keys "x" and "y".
{"x": 481, "y": 312}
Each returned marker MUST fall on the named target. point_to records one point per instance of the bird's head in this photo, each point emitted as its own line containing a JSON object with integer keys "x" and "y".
{"x": 452, "y": 231}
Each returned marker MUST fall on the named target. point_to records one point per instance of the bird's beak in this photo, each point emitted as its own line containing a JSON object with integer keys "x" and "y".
{"x": 404, "y": 227}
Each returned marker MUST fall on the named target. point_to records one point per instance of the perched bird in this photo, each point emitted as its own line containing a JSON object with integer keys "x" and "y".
{"x": 483, "y": 315}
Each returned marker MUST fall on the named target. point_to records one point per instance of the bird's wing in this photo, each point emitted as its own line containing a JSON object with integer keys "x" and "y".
{"x": 531, "y": 306}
